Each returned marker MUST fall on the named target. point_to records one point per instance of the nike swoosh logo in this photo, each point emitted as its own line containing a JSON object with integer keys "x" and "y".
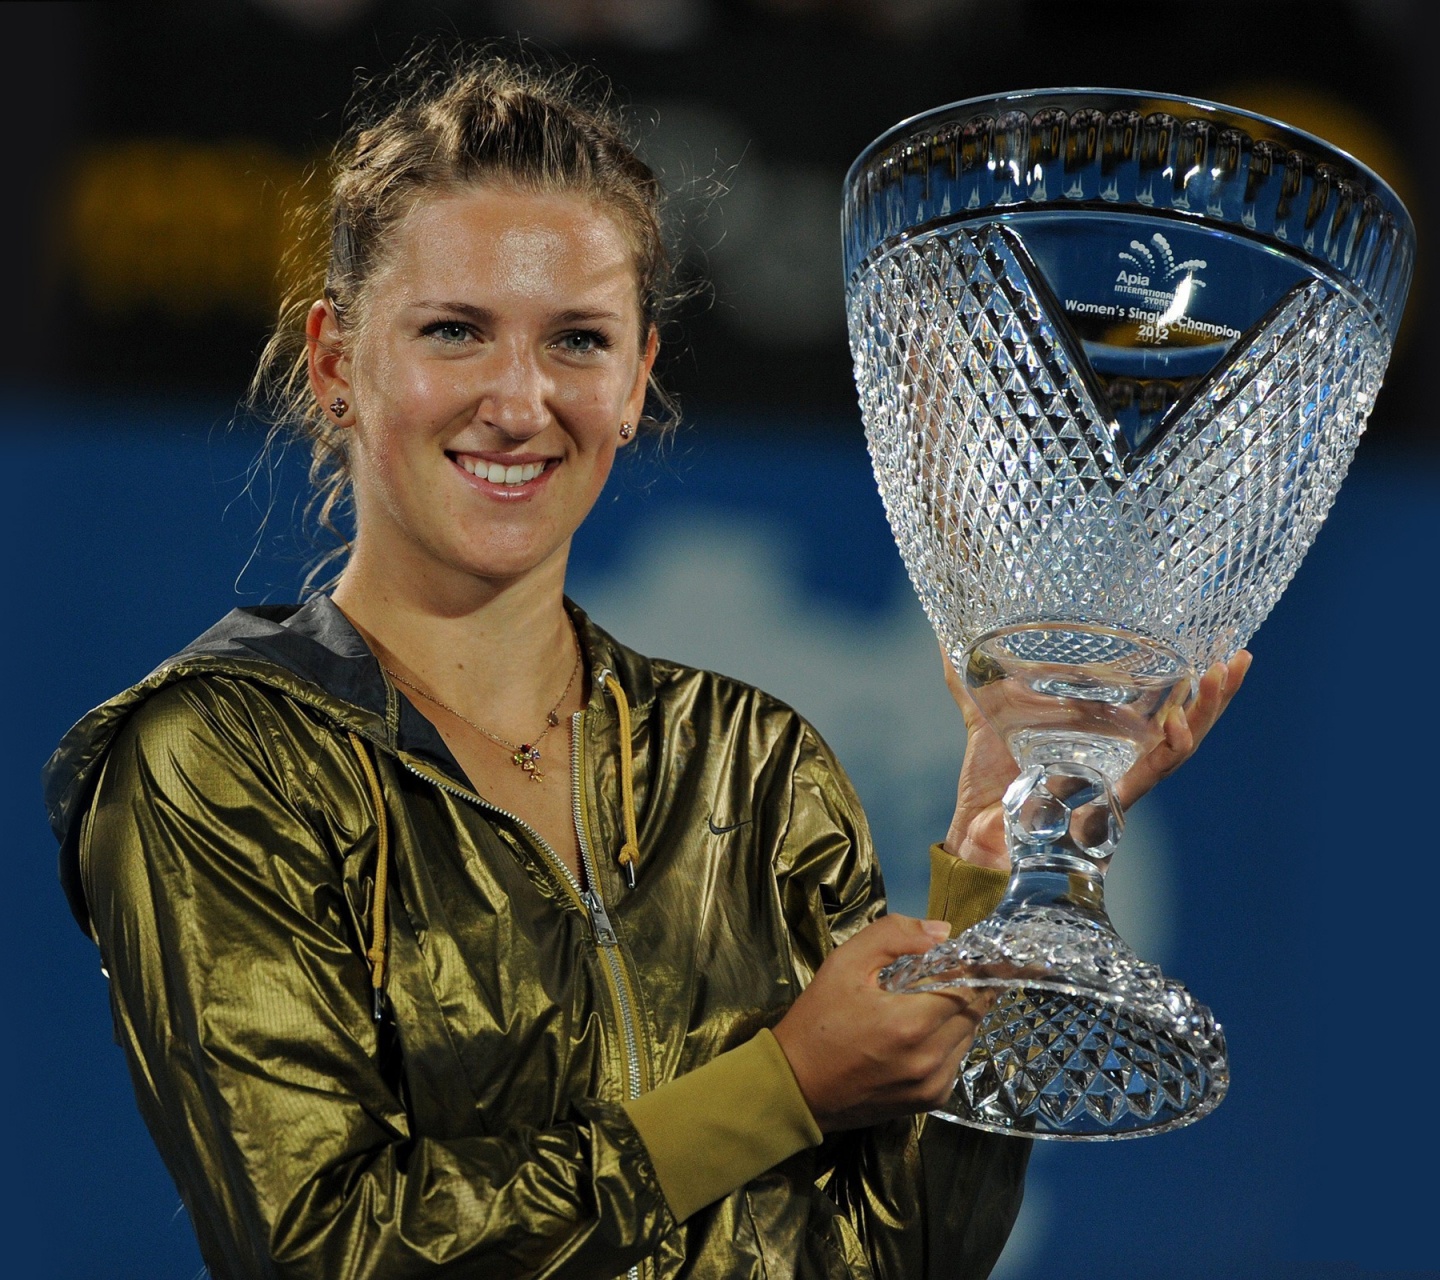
{"x": 720, "y": 831}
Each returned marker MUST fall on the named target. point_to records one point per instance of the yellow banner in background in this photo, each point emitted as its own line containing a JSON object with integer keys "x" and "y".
{"x": 188, "y": 229}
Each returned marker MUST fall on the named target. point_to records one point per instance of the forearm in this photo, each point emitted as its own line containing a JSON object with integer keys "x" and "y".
{"x": 951, "y": 1212}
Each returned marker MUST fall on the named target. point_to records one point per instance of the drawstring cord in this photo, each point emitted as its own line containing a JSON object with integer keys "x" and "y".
{"x": 376, "y": 954}
{"x": 629, "y": 855}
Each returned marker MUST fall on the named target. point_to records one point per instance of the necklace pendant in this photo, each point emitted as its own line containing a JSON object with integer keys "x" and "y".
{"x": 526, "y": 757}
{"x": 552, "y": 719}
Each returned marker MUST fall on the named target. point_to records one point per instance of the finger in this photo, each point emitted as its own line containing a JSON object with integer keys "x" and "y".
{"x": 1177, "y": 744}
{"x": 1219, "y": 686}
{"x": 984, "y": 843}
{"x": 1235, "y": 672}
{"x": 967, "y": 1007}
{"x": 936, "y": 1020}
{"x": 1207, "y": 698}
{"x": 1178, "y": 731}
{"x": 933, "y": 1021}
{"x": 955, "y": 682}
{"x": 1183, "y": 729}
{"x": 952, "y": 677}
{"x": 959, "y": 999}
{"x": 953, "y": 1042}
{"x": 942, "y": 1084}
{"x": 893, "y": 936}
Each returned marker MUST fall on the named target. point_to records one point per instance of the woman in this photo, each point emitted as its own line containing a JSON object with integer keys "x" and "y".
{"x": 448, "y": 936}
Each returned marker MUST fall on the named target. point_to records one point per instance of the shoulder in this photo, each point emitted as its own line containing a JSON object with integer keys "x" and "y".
{"x": 805, "y": 811}
{"x": 720, "y": 713}
{"x": 218, "y": 762}
{"x": 662, "y": 687}
{"x": 677, "y": 684}
{"x": 715, "y": 719}
{"x": 205, "y": 791}
{"x": 256, "y": 669}
{"x": 710, "y": 714}
{"x": 251, "y": 726}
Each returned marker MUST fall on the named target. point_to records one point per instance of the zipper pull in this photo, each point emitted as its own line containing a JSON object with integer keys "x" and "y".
{"x": 599, "y": 918}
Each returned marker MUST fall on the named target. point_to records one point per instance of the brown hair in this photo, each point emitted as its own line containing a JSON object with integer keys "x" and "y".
{"x": 447, "y": 118}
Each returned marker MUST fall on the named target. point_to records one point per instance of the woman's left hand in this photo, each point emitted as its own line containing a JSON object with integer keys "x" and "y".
{"x": 977, "y": 831}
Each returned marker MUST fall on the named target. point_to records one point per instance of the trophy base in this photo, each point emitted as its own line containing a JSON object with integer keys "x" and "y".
{"x": 1088, "y": 1043}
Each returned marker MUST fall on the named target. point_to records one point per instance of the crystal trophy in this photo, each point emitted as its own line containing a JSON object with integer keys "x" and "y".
{"x": 1114, "y": 351}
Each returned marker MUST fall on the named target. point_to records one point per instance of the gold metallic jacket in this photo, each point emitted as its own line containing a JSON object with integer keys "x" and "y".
{"x": 270, "y": 847}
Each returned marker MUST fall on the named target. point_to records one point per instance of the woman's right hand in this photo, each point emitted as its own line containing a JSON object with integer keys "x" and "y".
{"x": 862, "y": 1054}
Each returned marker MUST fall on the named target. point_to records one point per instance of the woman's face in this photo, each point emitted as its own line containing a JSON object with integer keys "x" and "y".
{"x": 499, "y": 353}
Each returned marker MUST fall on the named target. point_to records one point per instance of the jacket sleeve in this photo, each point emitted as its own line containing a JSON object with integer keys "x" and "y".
{"x": 241, "y": 999}
{"x": 925, "y": 1199}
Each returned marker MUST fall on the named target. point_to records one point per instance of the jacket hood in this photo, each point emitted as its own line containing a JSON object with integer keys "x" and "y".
{"x": 312, "y": 654}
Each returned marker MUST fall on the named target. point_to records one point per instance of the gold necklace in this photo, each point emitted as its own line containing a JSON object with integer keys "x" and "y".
{"x": 525, "y": 756}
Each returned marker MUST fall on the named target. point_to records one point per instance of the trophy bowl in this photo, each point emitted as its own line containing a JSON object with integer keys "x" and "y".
{"x": 1114, "y": 351}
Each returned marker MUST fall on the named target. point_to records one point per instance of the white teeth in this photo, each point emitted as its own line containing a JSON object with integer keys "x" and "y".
{"x": 495, "y": 473}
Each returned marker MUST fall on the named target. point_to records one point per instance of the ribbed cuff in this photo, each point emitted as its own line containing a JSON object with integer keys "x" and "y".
{"x": 961, "y": 892}
{"x": 714, "y": 1129}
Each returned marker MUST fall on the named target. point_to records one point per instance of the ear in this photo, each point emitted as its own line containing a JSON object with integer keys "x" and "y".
{"x": 635, "y": 403}
{"x": 329, "y": 365}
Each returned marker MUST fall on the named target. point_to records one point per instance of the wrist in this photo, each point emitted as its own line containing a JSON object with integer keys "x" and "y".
{"x": 978, "y": 838}
{"x": 792, "y": 1047}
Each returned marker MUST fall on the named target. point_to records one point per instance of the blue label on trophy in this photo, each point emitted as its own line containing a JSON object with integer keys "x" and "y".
{"x": 1153, "y": 304}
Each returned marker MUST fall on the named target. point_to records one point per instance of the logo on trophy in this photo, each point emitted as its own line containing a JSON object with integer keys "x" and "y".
{"x": 1114, "y": 352}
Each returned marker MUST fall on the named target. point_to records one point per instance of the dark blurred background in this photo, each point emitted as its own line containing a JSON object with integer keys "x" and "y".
{"x": 161, "y": 144}
{"x": 155, "y": 155}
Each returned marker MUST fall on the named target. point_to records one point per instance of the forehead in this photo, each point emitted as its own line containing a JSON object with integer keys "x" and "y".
{"x": 548, "y": 247}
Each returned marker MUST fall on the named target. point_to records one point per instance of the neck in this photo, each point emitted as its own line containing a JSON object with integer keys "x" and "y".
{"x": 500, "y": 653}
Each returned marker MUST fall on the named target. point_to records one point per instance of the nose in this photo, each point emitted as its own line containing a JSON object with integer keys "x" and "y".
{"x": 514, "y": 391}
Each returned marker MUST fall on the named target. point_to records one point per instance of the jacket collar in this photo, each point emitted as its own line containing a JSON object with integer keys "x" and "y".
{"x": 313, "y": 654}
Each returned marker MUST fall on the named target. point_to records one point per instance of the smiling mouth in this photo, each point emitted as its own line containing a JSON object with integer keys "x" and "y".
{"x": 497, "y": 473}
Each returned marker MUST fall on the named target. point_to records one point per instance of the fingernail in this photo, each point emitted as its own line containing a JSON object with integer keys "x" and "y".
{"x": 936, "y": 928}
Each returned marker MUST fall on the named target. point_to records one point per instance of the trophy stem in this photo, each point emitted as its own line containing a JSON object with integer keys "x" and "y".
{"x": 1089, "y": 1041}
{"x": 1062, "y": 824}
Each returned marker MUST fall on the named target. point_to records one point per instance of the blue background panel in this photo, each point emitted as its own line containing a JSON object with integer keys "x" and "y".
{"x": 1284, "y": 874}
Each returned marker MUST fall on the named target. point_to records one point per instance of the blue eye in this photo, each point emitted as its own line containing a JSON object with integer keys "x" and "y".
{"x": 452, "y": 332}
{"x": 583, "y": 340}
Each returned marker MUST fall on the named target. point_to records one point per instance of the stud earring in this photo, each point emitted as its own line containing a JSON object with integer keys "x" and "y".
{"x": 338, "y": 407}
{"x": 626, "y": 431}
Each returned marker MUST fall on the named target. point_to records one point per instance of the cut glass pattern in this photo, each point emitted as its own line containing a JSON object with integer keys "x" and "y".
{"x": 1012, "y": 499}
{"x": 1047, "y": 1059}
{"x": 1114, "y": 352}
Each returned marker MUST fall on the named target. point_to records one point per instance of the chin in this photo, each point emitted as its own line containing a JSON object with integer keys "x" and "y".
{"x": 505, "y": 564}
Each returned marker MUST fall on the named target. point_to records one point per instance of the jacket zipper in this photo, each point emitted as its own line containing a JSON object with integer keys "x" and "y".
{"x": 604, "y": 931}
{"x": 610, "y": 943}
{"x": 588, "y": 899}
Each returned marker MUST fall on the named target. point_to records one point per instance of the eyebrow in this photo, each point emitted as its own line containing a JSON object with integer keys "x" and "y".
{"x": 483, "y": 315}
